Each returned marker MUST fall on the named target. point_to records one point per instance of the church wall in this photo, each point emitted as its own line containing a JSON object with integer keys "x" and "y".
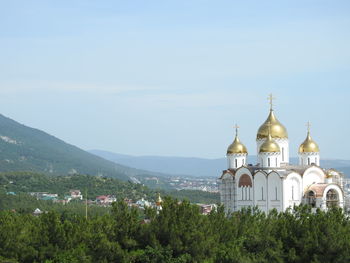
{"x": 236, "y": 160}
{"x": 313, "y": 175}
{"x": 227, "y": 192}
{"x": 260, "y": 191}
{"x": 274, "y": 183}
{"x": 292, "y": 190}
{"x": 244, "y": 188}
{"x": 270, "y": 159}
{"x": 284, "y": 145}
{"x": 309, "y": 158}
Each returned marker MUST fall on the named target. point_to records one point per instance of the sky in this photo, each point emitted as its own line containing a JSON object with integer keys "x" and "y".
{"x": 171, "y": 78}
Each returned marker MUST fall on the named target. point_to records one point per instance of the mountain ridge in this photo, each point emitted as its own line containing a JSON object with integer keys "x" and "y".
{"x": 194, "y": 166}
{"x": 23, "y": 148}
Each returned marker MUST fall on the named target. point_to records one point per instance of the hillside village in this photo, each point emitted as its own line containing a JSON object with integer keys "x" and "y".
{"x": 107, "y": 200}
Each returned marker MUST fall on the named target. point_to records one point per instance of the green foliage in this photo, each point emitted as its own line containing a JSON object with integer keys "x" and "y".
{"x": 94, "y": 185}
{"x": 196, "y": 196}
{"x": 26, "y": 204}
{"x": 177, "y": 234}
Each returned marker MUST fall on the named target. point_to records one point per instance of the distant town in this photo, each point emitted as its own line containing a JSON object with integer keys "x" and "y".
{"x": 206, "y": 184}
{"x": 76, "y": 195}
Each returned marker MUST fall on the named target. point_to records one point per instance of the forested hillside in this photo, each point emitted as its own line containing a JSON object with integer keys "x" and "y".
{"x": 178, "y": 234}
{"x": 26, "y": 149}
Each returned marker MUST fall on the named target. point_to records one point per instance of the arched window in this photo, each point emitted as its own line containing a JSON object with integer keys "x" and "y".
{"x": 311, "y": 199}
{"x": 245, "y": 181}
{"x": 236, "y": 163}
{"x": 276, "y": 193}
{"x": 308, "y": 160}
{"x": 332, "y": 198}
{"x": 268, "y": 162}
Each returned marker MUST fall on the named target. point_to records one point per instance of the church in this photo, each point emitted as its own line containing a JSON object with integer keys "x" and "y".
{"x": 274, "y": 183}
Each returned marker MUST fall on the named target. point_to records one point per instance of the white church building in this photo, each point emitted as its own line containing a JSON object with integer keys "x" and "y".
{"x": 274, "y": 183}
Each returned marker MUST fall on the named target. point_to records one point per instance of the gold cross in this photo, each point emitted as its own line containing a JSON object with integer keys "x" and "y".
{"x": 236, "y": 127}
{"x": 271, "y": 98}
{"x": 308, "y": 125}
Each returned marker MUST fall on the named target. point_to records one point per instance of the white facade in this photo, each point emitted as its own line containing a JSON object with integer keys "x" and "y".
{"x": 236, "y": 160}
{"x": 273, "y": 183}
{"x": 309, "y": 158}
{"x": 270, "y": 160}
{"x": 276, "y": 189}
{"x": 284, "y": 146}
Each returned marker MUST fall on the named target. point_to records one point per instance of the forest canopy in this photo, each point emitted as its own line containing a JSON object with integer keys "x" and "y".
{"x": 177, "y": 233}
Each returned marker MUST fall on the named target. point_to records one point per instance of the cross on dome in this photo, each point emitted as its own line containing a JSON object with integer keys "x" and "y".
{"x": 236, "y": 128}
{"x": 271, "y": 98}
{"x": 308, "y": 125}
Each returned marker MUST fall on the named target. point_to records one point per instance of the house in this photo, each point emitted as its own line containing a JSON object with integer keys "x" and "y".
{"x": 206, "y": 209}
{"x": 142, "y": 203}
{"x": 44, "y": 196}
{"x": 76, "y": 194}
{"x": 105, "y": 199}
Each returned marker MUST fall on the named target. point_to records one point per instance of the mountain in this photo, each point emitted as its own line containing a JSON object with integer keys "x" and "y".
{"x": 26, "y": 149}
{"x": 199, "y": 167}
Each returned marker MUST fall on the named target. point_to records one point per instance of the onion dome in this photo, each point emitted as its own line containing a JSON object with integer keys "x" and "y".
{"x": 277, "y": 128}
{"x": 159, "y": 200}
{"x": 269, "y": 146}
{"x": 237, "y": 147}
{"x": 309, "y": 145}
{"x": 332, "y": 173}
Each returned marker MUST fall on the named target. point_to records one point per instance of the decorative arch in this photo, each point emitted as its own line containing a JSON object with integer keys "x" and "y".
{"x": 227, "y": 175}
{"x": 244, "y": 185}
{"x": 260, "y": 187}
{"x": 313, "y": 175}
{"x": 332, "y": 198}
{"x": 293, "y": 190}
{"x": 275, "y": 186}
{"x": 245, "y": 181}
{"x": 333, "y": 195}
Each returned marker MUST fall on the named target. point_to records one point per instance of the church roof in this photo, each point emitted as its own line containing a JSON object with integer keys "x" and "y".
{"x": 277, "y": 128}
{"x": 237, "y": 147}
{"x": 309, "y": 145}
{"x": 318, "y": 189}
{"x": 283, "y": 171}
{"x": 269, "y": 146}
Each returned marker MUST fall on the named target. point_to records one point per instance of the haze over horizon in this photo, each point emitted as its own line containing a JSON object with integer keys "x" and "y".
{"x": 172, "y": 78}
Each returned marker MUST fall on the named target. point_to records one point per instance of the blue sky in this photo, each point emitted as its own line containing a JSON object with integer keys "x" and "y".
{"x": 172, "y": 77}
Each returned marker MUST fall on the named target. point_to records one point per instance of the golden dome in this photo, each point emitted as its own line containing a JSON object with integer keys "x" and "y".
{"x": 269, "y": 146}
{"x": 237, "y": 147}
{"x": 309, "y": 145}
{"x": 159, "y": 200}
{"x": 277, "y": 128}
{"x": 332, "y": 173}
